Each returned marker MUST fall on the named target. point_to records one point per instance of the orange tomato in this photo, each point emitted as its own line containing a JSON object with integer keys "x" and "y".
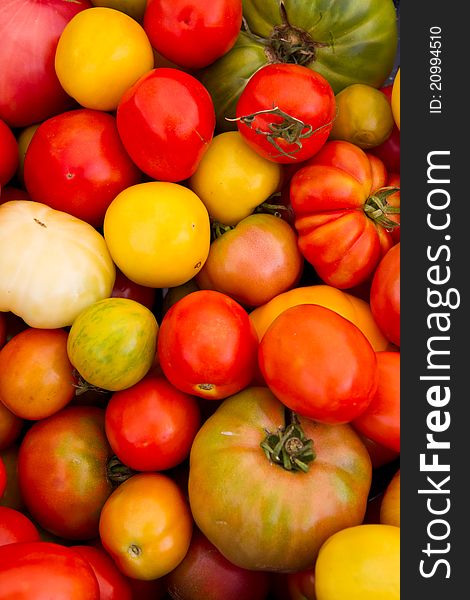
{"x": 146, "y": 526}
{"x": 390, "y": 506}
{"x": 36, "y": 376}
{"x": 350, "y": 307}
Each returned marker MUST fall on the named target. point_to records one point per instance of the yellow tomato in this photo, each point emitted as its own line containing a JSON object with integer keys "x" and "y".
{"x": 360, "y": 563}
{"x": 100, "y": 54}
{"x": 390, "y": 506}
{"x": 24, "y": 137}
{"x": 146, "y": 526}
{"x": 364, "y": 116}
{"x": 158, "y": 233}
{"x": 232, "y": 179}
{"x": 396, "y": 99}
{"x": 354, "y": 309}
{"x": 134, "y": 8}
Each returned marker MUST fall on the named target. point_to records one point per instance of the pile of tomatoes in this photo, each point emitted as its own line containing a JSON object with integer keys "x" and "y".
{"x": 199, "y": 300}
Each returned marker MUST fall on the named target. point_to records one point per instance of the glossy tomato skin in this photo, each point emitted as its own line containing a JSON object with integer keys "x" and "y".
{"x": 192, "y": 34}
{"x": 330, "y": 198}
{"x": 146, "y": 526}
{"x": 318, "y": 364}
{"x": 385, "y": 295}
{"x": 67, "y": 452}
{"x": 112, "y": 343}
{"x": 207, "y": 345}
{"x": 381, "y": 419}
{"x": 112, "y": 583}
{"x": 36, "y": 376}
{"x": 205, "y": 574}
{"x": 30, "y": 91}
{"x": 151, "y": 425}
{"x": 243, "y": 503}
{"x": 254, "y": 262}
{"x": 271, "y": 87}
{"x": 35, "y": 570}
{"x": 76, "y": 162}
{"x": 8, "y": 152}
{"x": 16, "y": 527}
{"x": 166, "y": 121}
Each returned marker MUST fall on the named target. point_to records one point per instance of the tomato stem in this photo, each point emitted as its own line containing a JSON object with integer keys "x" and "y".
{"x": 290, "y": 129}
{"x": 289, "y": 446}
{"x": 218, "y": 229}
{"x": 81, "y": 386}
{"x": 117, "y": 471}
{"x": 377, "y": 208}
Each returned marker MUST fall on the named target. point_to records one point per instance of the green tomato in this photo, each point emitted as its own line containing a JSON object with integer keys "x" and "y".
{"x": 346, "y": 41}
{"x": 112, "y": 343}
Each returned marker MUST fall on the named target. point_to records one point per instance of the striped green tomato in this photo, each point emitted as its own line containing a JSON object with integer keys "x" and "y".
{"x": 112, "y": 343}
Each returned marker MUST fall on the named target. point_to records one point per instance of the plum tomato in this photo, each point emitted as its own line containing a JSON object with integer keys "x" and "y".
{"x": 207, "y": 345}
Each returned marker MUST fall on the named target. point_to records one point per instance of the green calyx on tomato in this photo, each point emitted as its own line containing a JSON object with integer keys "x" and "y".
{"x": 377, "y": 208}
{"x": 117, "y": 472}
{"x": 289, "y": 446}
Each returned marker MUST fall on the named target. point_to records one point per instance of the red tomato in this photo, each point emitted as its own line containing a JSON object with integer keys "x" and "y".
{"x": 9, "y": 157}
{"x": 381, "y": 420}
{"x": 275, "y": 117}
{"x": 341, "y": 216}
{"x": 192, "y": 34}
{"x": 38, "y": 570}
{"x": 112, "y": 583}
{"x": 29, "y": 88}
{"x": 318, "y": 364}
{"x": 207, "y": 345}
{"x": 36, "y": 376}
{"x": 125, "y": 288}
{"x": 166, "y": 121}
{"x": 69, "y": 454}
{"x": 389, "y": 151}
{"x": 76, "y": 162}
{"x": 16, "y": 527}
{"x": 385, "y": 295}
{"x": 151, "y": 425}
{"x": 205, "y": 574}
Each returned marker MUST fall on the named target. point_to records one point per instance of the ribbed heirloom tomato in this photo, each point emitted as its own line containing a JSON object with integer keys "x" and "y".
{"x": 340, "y": 204}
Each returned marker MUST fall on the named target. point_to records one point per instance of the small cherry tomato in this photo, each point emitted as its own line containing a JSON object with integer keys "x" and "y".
{"x": 151, "y": 425}
{"x": 16, "y": 526}
{"x": 318, "y": 364}
{"x": 36, "y": 376}
{"x": 274, "y": 118}
{"x": 146, "y": 526}
{"x": 207, "y": 345}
